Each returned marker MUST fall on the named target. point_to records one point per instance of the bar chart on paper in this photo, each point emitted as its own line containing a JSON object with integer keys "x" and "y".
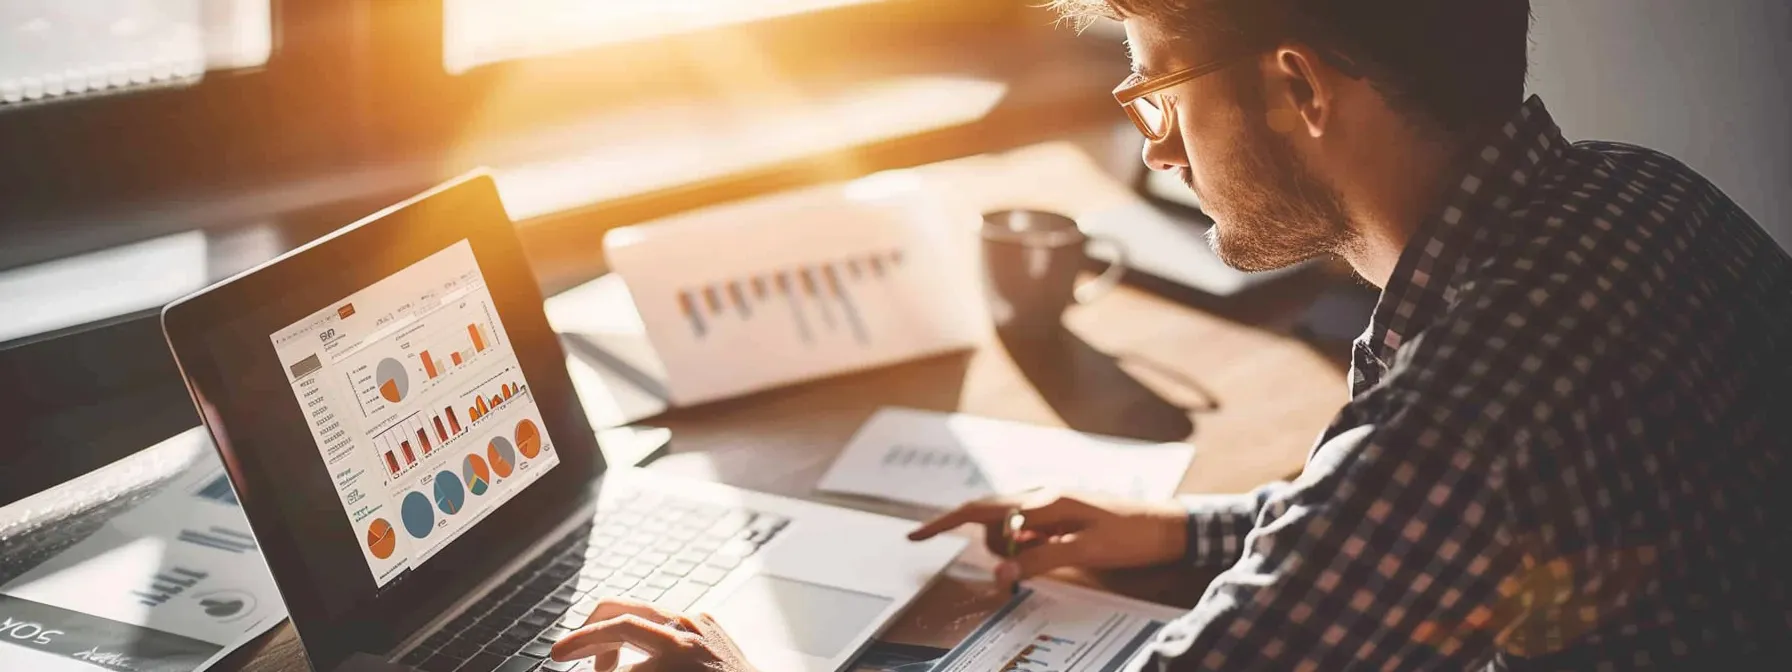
{"x": 814, "y": 283}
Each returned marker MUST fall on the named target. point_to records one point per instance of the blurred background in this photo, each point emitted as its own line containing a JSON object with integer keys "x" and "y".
{"x": 149, "y": 147}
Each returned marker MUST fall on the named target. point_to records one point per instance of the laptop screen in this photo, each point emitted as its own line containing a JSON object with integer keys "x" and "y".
{"x": 418, "y": 407}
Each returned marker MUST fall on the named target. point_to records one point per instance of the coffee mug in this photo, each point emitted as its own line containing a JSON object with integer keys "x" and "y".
{"x": 1030, "y": 263}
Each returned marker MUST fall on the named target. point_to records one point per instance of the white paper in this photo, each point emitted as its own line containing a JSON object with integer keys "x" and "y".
{"x": 941, "y": 460}
{"x": 183, "y": 563}
{"x": 1056, "y": 627}
{"x": 803, "y": 285}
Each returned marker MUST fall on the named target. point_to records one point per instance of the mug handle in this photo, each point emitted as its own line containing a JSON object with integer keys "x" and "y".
{"x": 1093, "y": 290}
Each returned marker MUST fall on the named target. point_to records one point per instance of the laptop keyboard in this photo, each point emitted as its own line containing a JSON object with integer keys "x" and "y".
{"x": 650, "y": 547}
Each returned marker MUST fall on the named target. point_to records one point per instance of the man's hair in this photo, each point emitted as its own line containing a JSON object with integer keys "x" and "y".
{"x": 1452, "y": 62}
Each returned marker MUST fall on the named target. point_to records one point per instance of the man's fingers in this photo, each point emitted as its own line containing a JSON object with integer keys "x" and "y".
{"x": 608, "y": 635}
{"x": 1062, "y": 551}
{"x": 615, "y": 607}
{"x": 984, "y": 512}
{"x": 1039, "y": 506}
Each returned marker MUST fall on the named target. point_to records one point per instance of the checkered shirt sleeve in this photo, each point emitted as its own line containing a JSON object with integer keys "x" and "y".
{"x": 1566, "y": 447}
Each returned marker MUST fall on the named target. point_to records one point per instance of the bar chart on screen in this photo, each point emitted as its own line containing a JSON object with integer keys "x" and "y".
{"x": 813, "y": 283}
{"x": 416, "y": 353}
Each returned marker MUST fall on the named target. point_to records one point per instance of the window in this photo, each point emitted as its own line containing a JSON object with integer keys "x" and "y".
{"x": 478, "y": 32}
{"x": 51, "y": 49}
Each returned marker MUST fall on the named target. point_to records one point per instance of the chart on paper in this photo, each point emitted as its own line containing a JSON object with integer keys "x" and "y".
{"x": 813, "y": 283}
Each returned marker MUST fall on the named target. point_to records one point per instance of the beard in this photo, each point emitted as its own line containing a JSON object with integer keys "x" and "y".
{"x": 1269, "y": 210}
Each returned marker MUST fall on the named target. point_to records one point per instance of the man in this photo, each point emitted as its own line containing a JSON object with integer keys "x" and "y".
{"x": 1565, "y": 446}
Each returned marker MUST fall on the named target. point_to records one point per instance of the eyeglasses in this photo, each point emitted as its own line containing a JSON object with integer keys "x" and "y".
{"x": 1143, "y": 99}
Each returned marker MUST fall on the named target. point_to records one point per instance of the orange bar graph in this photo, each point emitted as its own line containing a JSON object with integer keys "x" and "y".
{"x": 478, "y": 341}
{"x": 496, "y": 400}
{"x": 429, "y": 365}
{"x": 480, "y": 404}
{"x": 507, "y": 392}
{"x": 456, "y": 357}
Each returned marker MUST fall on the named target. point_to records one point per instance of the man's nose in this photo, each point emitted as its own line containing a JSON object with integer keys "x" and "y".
{"x": 1165, "y": 154}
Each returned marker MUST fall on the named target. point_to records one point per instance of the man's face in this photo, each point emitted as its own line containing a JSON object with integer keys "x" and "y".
{"x": 1269, "y": 209}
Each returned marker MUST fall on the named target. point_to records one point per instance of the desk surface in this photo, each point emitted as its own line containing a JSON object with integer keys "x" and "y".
{"x": 1247, "y": 394}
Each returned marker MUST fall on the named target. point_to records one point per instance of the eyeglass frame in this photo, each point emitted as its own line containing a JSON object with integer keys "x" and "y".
{"x": 1126, "y": 94}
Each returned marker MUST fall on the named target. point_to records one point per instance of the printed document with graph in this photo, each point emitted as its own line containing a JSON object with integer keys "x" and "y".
{"x": 419, "y": 407}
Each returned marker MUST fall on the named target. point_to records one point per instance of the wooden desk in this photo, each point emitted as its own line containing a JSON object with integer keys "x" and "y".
{"x": 1248, "y": 395}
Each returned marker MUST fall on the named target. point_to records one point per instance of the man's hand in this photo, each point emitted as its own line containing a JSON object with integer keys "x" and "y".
{"x": 1064, "y": 531}
{"x": 673, "y": 642}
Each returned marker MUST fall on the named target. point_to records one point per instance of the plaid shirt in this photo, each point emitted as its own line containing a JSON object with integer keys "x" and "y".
{"x": 1564, "y": 449}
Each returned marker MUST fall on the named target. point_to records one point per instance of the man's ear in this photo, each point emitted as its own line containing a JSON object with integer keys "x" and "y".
{"x": 1306, "y": 89}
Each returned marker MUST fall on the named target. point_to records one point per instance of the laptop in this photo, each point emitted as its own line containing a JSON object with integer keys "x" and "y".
{"x": 397, "y": 420}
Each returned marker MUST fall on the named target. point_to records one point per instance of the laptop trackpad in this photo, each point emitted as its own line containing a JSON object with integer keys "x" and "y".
{"x": 812, "y": 619}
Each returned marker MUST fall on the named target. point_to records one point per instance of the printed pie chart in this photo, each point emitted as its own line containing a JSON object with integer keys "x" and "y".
{"x": 502, "y": 456}
{"x": 450, "y": 496}
{"x": 394, "y": 382}
{"x": 417, "y": 515}
{"x": 528, "y": 438}
{"x": 381, "y": 538}
{"x": 477, "y": 475}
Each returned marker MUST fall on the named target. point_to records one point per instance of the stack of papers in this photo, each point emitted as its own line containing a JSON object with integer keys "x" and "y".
{"x": 171, "y": 585}
{"x": 941, "y": 460}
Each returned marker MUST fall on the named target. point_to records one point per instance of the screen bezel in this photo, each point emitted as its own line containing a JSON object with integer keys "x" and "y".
{"x": 323, "y": 272}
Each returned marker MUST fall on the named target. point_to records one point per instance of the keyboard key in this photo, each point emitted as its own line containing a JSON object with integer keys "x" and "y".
{"x": 583, "y": 608}
{"x": 460, "y": 623}
{"x": 620, "y": 582}
{"x": 628, "y": 550}
{"x": 682, "y": 596}
{"x": 556, "y": 666}
{"x": 504, "y": 647}
{"x": 707, "y": 575}
{"x": 684, "y": 533}
{"x": 538, "y": 620}
{"x": 653, "y": 558}
{"x": 660, "y": 580}
{"x": 440, "y": 663}
{"x": 417, "y": 655}
{"x": 704, "y": 545}
{"x": 484, "y": 662}
{"x": 536, "y": 649}
{"x": 588, "y": 581}
{"x": 668, "y": 546}
{"x": 723, "y": 561}
{"x": 646, "y": 593}
{"x": 461, "y": 648}
{"x": 573, "y": 622}
{"x": 731, "y": 523}
{"x": 740, "y": 548}
{"x": 519, "y": 664}
{"x": 639, "y": 570}
{"x": 678, "y": 567}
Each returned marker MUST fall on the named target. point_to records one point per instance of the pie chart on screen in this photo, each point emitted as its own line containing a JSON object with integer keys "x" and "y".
{"x": 478, "y": 477}
{"x": 450, "y": 496}
{"x": 381, "y": 539}
{"x": 528, "y": 438}
{"x": 502, "y": 456}
{"x": 417, "y": 515}
{"x": 394, "y": 382}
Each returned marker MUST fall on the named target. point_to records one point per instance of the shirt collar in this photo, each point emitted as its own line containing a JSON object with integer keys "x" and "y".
{"x": 1469, "y": 225}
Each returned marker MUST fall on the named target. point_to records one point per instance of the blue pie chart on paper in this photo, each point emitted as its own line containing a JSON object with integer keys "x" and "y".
{"x": 450, "y": 496}
{"x": 418, "y": 517}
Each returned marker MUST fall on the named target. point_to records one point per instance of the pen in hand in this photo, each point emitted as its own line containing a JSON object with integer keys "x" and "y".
{"x": 1011, "y": 535}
